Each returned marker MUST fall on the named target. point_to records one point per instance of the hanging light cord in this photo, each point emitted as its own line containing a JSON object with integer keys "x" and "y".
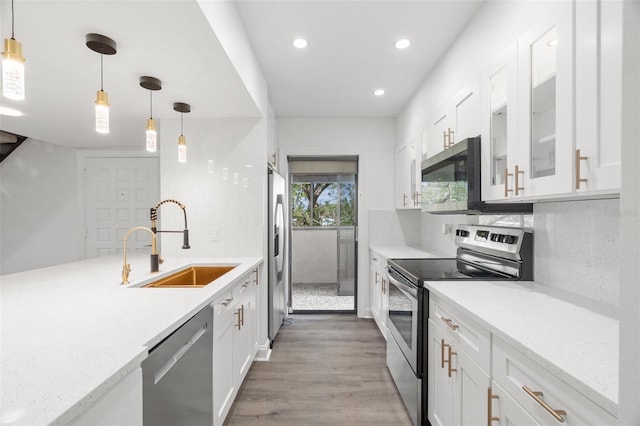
{"x": 151, "y": 104}
{"x": 101, "y": 72}
{"x": 181, "y": 122}
{"x": 12, "y": 21}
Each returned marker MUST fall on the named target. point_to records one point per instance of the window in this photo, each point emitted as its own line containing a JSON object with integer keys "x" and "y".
{"x": 322, "y": 201}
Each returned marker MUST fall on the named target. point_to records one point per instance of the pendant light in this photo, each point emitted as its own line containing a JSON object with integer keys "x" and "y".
{"x": 151, "y": 84}
{"x": 12, "y": 66}
{"x": 104, "y": 46}
{"x": 182, "y": 142}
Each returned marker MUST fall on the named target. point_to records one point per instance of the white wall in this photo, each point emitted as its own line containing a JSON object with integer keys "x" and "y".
{"x": 38, "y": 207}
{"x": 215, "y": 207}
{"x": 373, "y": 141}
{"x": 394, "y": 227}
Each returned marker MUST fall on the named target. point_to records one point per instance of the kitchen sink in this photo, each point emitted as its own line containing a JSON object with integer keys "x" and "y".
{"x": 191, "y": 277}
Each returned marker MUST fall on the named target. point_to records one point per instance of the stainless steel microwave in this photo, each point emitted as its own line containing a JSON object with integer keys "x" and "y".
{"x": 452, "y": 183}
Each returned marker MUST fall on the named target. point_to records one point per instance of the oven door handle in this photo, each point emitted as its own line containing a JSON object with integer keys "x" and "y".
{"x": 405, "y": 288}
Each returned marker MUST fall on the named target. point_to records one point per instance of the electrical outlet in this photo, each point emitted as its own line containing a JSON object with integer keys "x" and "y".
{"x": 214, "y": 234}
{"x": 446, "y": 228}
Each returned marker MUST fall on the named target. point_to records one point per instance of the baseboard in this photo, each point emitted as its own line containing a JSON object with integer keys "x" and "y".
{"x": 264, "y": 351}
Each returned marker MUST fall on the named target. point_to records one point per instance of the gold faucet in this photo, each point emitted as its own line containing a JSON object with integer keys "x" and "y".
{"x": 126, "y": 268}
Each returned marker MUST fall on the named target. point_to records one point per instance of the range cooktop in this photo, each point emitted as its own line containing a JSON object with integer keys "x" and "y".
{"x": 447, "y": 269}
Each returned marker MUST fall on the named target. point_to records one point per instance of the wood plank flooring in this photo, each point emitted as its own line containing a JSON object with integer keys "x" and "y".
{"x": 324, "y": 370}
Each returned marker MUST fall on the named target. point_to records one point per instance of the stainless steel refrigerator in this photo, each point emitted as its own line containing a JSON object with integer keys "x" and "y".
{"x": 277, "y": 261}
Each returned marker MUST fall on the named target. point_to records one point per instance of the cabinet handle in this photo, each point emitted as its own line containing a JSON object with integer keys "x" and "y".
{"x": 515, "y": 176}
{"x": 506, "y": 182}
{"x": 416, "y": 199}
{"x": 226, "y": 301}
{"x": 404, "y": 200}
{"x": 384, "y": 286}
{"x": 442, "y": 346}
{"x": 451, "y": 370}
{"x": 239, "y": 323}
{"x": 377, "y": 275}
{"x": 450, "y": 323}
{"x": 537, "y": 397}
{"x": 447, "y": 137}
{"x": 490, "y": 398}
{"x": 578, "y": 159}
{"x": 255, "y": 271}
{"x": 242, "y": 315}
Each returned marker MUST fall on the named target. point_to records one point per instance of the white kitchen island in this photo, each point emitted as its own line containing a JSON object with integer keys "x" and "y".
{"x": 71, "y": 332}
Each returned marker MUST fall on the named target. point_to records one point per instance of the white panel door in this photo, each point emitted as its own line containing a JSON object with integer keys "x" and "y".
{"x": 118, "y": 195}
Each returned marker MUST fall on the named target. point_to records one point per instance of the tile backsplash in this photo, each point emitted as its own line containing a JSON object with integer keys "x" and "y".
{"x": 577, "y": 248}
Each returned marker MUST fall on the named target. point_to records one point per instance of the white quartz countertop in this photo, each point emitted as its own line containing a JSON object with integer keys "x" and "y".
{"x": 403, "y": 252}
{"x": 70, "y": 332}
{"x": 577, "y": 345}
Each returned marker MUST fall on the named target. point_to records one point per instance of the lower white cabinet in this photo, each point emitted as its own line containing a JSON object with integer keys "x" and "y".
{"x": 475, "y": 377}
{"x": 234, "y": 337}
{"x": 457, "y": 385}
{"x": 379, "y": 290}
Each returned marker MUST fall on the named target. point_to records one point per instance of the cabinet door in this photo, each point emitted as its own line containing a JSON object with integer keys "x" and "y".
{"x": 403, "y": 177}
{"x": 223, "y": 384}
{"x": 375, "y": 287}
{"x": 438, "y": 126}
{"x": 471, "y": 383}
{"x": 440, "y": 385}
{"x": 545, "y": 106}
{"x": 499, "y": 86}
{"x": 242, "y": 351}
{"x": 506, "y": 411}
{"x": 465, "y": 111}
{"x": 598, "y": 95}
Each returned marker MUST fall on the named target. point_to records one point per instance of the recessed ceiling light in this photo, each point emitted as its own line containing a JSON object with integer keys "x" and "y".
{"x": 378, "y": 92}
{"x": 300, "y": 43}
{"x": 10, "y": 112}
{"x": 403, "y": 43}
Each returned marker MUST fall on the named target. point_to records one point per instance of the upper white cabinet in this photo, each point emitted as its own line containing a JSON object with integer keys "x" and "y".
{"x": 408, "y": 179}
{"x": 551, "y": 107}
{"x": 499, "y": 87}
{"x": 545, "y": 100}
{"x": 598, "y": 95}
{"x": 457, "y": 120}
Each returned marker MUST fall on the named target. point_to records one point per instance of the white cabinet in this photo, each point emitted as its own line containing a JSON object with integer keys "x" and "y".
{"x": 457, "y": 383}
{"x": 499, "y": 93}
{"x": 598, "y": 105}
{"x": 546, "y": 398}
{"x": 459, "y": 119}
{"x": 234, "y": 347}
{"x": 559, "y": 135}
{"x": 379, "y": 290}
{"x": 408, "y": 179}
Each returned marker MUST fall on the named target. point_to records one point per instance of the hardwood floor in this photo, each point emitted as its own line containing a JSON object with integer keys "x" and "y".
{"x": 324, "y": 370}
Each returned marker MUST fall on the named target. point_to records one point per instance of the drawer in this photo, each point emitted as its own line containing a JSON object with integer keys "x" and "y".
{"x": 241, "y": 288}
{"x": 516, "y": 373}
{"x": 472, "y": 338}
{"x": 223, "y": 304}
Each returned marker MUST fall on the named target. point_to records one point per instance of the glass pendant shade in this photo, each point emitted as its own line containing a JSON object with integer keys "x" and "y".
{"x": 102, "y": 112}
{"x": 12, "y": 70}
{"x": 152, "y": 136}
{"x": 182, "y": 149}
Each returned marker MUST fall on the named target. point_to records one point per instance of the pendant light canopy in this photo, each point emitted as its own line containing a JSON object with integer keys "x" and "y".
{"x": 182, "y": 108}
{"x": 104, "y": 46}
{"x": 152, "y": 84}
{"x": 12, "y": 66}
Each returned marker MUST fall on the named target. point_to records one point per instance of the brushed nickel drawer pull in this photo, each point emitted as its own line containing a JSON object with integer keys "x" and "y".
{"x": 442, "y": 346}
{"x": 578, "y": 178}
{"x": 490, "y": 398}
{"x": 450, "y": 323}
{"x": 537, "y": 397}
{"x": 239, "y": 323}
{"x": 451, "y": 370}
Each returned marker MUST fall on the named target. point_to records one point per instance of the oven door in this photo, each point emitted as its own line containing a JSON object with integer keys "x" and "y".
{"x": 403, "y": 318}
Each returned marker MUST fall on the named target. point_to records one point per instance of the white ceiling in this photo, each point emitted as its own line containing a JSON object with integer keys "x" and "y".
{"x": 350, "y": 54}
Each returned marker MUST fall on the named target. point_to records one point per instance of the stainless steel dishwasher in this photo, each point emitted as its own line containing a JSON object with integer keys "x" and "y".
{"x": 177, "y": 375}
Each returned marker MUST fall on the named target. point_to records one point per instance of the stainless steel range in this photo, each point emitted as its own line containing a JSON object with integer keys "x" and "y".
{"x": 484, "y": 253}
